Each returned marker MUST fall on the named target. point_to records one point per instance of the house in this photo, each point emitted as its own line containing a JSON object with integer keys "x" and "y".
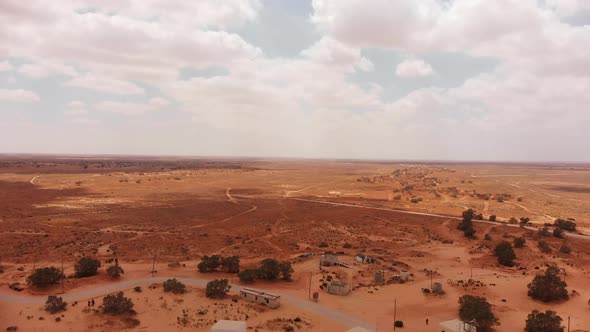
{"x": 405, "y": 275}
{"x": 229, "y": 326}
{"x": 359, "y": 329}
{"x": 339, "y": 287}
{"x": 328, "y": 260}
{"x": 271, "y": 300}
{"x": 364, "y": 259}
{"x": 456, "y": 325}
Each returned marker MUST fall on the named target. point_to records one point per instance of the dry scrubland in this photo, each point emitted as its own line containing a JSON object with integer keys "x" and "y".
{"x": 179, "y": 210}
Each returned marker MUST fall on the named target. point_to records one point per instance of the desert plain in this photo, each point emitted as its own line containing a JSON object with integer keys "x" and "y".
{"x": 159, "y": 216}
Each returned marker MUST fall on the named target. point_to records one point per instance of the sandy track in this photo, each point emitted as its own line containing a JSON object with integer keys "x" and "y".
{"x": 573, "y": 235}
{"x": 32, "y": 181}
{"x": 83, "y": 295}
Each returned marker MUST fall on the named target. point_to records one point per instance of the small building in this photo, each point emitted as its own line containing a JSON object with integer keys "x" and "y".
{"x": 437, "y": 287}
{"x": 339, "y": 288}
{"x": 404, "y": 275}
{"x": 456, "y": 325}
{"x": 271, "y": 300}
{"x": 328, "y": 260}
{"x": 359, "y": 329}
{"x": 364, "y": 259}
{"x": 229, "y": 326}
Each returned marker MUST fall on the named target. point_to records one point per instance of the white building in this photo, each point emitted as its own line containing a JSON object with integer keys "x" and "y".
{"x": 229, "y": 326}
{"x": 456, "y": 325}
{"x": 359, "y": 329}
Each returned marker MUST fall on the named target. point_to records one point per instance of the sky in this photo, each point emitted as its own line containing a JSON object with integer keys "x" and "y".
{"x": 502, "y": 80}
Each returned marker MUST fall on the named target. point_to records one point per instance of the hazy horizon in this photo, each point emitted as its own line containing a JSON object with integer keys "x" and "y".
{"x": 434, "y": 80}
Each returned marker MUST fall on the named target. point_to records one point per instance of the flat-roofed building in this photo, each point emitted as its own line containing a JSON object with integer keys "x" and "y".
{"x": 271, "y": 300}
{"x": 229, "y": 326}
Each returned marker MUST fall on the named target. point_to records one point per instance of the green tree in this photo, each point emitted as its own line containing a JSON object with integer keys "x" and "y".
{"x": 547, "y": 321}
{"x": 55, "y": 304}
{"x": 479, "y": 310}
{"x": 269, "y": 269}
{"x": 505, "y": 253}
{"x": 286, "y": 270}
{"x": 248, "y": 275}
{"x": 115, "y": 271}
{"x": 217, "y": 288}
{"x": 231, "y": 264}
{"x": 466, "y": 225}
{"x": 566, "y": 224}
{"x": 45, "y": 276}
{"x": 519, "y": 242}
{"x": 548, "y": 287}
{"x": 174, "y": 286}
{"x": 86, "y": 267}
{"x": 116, "y": 304}
{"x": 209, "y": 263}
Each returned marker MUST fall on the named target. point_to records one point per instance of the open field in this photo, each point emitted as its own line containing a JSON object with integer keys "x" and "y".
{"x": 54, "y": 208}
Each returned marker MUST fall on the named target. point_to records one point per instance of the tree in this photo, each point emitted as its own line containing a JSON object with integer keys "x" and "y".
{"x": 466, "y": 225}
{"x": 558, "y": 232}
{"x": 493, "y": 217}
{"x": 479, "y": 310}
{"x": 248, "y": 275}
{"x": 286, "y": 270}
{"x": 115, "y": 271}
{"x": 45, "y": 276}
{"x": 544, "y": 247}
{"x": 548, "y": 286}
{"x": 565, "y": 249}
{"x": 174, "y": 286}
{"x": 217, "y": 288}
{"x": 209, "y": 263}
{"x": 55, "y": 304}
{"x": 269, "y": 269}
{"x": 566, "y": 224}
{"x": 519, "y": 242}
{"x": 505, "y": 253}
{"x": 86, "y": 267}
{"x": 231, "y": 264}
{"x": 116, "y": 304}
{"x": 524, "y": 220}
{"x": 544, "y": 232}
{"x": 547, "y": 321}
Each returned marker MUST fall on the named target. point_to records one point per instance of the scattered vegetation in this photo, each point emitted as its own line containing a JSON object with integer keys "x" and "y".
{"x": 116, "y": 304}
{"x": 45, "y": 276}
{"x": 55, "y": 304}
{"x": 558, "y": 232}
{"x": 548, "y": 287}
{"x": 547, "y": 321}
{"x": 519, "y": 242}
{"x": 174, "y": 286}
{"x": 505, "y": 253}
{"x": 217, "y": 288}
{"x": 568, "y": 224}
{"x": 269, "y": 269}
{"x": 86, "y": 267}
{"x": 115, "y": 271}
{"x": 479, "y": 310}
{"x": 544, "y": 247}
{"x": 466, "y": 224}
{"x": 493, "y": 217}
{"x": 565, "y": 249}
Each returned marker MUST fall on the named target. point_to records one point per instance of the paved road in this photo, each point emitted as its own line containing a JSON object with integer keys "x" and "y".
{"x": 99, "y": 291}
{"x": 572, "y": 235}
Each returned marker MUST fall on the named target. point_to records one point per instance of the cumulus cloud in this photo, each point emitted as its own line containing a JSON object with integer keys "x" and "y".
{"x": 413, "y": 68}
{"x": 5, "y": 66}
{"x": 18, "y": 96}
{"x": 132, "y": 108}
{"x": 104, "y": 84}
{"x": 46, "y": 69}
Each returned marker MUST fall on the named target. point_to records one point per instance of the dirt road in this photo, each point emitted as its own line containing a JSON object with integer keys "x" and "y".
{"x": 84, "y": 295}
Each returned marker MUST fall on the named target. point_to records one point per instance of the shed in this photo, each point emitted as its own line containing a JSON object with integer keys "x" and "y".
{"x": 271, "y": 300}
{"x": 456, "y": 325}
{"x": 328, "y": 260}
{"x": 229, "y": 326}
{"x": 404, "y": 275}
{"x": 364, "y": 259}
{"x": 437, "y": 288}
{"x": 339, "y": 287}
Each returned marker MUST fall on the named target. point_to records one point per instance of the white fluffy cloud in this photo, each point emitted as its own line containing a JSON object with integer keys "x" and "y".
{"x": 18, "y": 96}
{"x": 46, "y": 69}
{"x": 5, "y": 66}
{"x": 132, "y": 108}
{"x": 413, "y": 68}
{"x": 104, "y": 84}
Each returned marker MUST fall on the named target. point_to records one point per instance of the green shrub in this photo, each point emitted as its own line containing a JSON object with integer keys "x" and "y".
{"x": 174, "y": 286}
{"x": 45, "y": 276}
{"x": 116, "y": 304}
{"x": 115, "y": 271}
{"x": 55, "y": 304}
{"x": 86, "y": 267}
{"x": 505, "y": 253}
{"x": 217, "y": 288}
{"x": 548, "y": 287}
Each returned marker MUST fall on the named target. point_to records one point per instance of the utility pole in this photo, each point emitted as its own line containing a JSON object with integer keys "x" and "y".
{"x": 154, "y": 266}
{"x": 431, "y": 272}
{"x": 394, "y": 312}
{"x": 568, "y": 323}
{"x": 63, "y": 276}
{"x": 309, "y": 293}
